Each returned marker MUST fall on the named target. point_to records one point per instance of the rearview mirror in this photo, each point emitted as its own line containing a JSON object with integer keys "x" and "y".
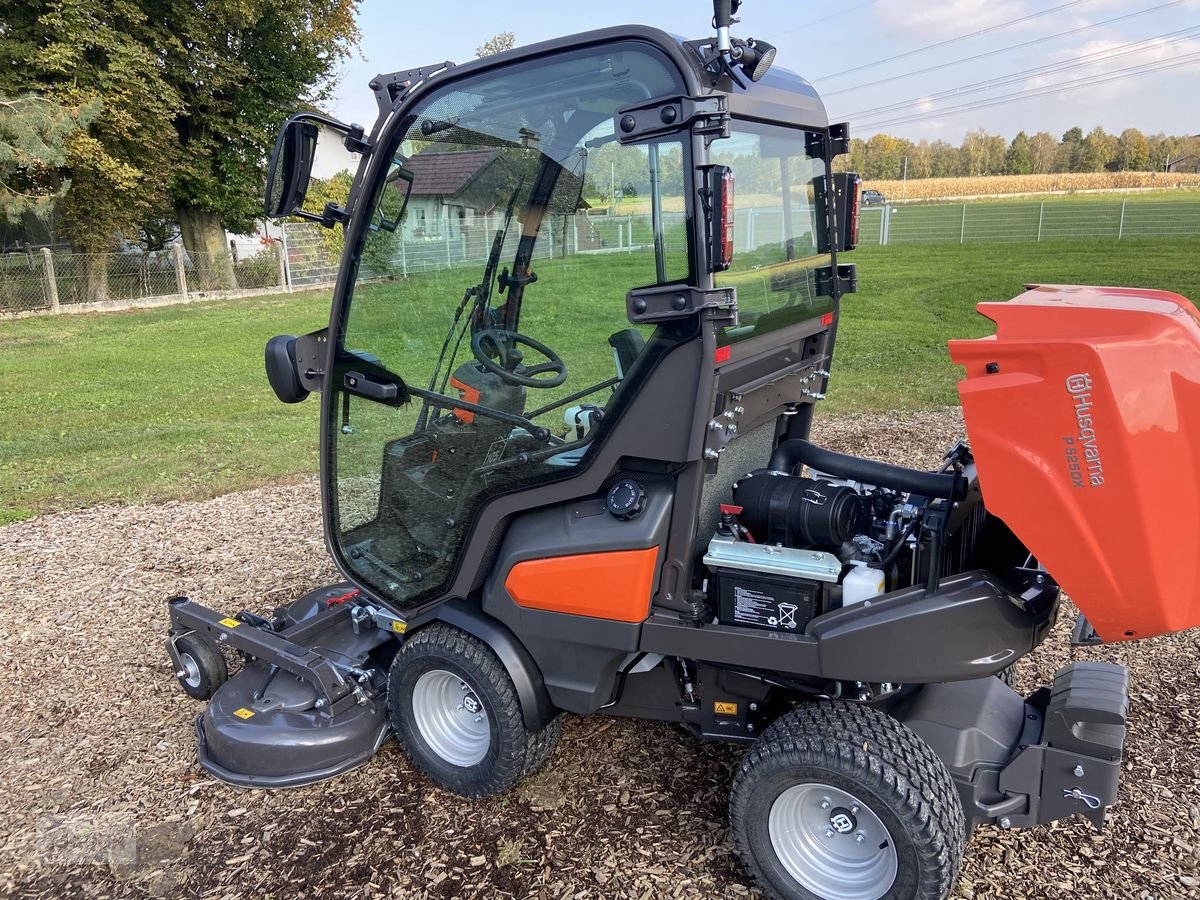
{"x": 290, "y": 168}
{"x": 281, "y": 369}
{"x": 394, "y": 201}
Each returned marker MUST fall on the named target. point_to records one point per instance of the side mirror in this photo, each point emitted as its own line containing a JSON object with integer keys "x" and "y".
{"x": 290, "y": 168}
{"x": 394, "y": 202}
{"x": 281, "y": 369}
{"x": 843, "y": 205}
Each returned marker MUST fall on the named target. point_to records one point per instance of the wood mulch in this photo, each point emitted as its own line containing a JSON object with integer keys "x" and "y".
{"x": 101, "y": 796}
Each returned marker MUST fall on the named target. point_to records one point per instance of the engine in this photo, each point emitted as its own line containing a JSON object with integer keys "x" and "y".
{"x": 793, "y": 547}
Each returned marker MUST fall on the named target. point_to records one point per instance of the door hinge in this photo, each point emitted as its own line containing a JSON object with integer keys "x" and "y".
{"x": 664, "y": 302}
{"x": 668, "y": 115}
{"x": 831, "y": 283}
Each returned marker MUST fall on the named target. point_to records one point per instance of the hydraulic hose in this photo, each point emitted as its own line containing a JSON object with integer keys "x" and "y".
{"x": 792, "y": 453}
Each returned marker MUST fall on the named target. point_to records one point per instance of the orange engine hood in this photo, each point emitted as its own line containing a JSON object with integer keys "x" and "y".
{"x": 1083, "y": 412}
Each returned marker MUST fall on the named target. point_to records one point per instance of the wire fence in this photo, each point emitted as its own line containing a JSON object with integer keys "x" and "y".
{"x": 46, "y": 280}
{"x": 52, "y": 280}
{"x": 1028, "y": 221}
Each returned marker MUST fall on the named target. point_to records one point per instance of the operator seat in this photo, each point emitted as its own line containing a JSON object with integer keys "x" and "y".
{"x": 626, "y": 346}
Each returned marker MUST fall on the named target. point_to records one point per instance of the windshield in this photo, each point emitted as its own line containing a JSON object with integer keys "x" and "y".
{"x": 485, "y": 346}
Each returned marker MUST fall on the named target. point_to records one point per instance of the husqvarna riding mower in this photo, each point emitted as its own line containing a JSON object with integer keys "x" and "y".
{"x": 565, "y": 467}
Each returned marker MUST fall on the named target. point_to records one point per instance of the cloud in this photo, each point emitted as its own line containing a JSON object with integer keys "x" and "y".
{"x": 1158, "y": 51}
{"x": 942, "y": 19}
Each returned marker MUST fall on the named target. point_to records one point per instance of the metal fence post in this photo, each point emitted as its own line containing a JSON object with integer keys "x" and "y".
{"x": 1041, "y": 218}
{"x": 883, "y": 215}
{"x": 51, "y": 283}
{"x": 281, "y": 259}
{"x": 962, "y": 233}
{"x": 403, "y": 256}
{"x": 180, "y": 274}
{"x": 1121, "y": 225}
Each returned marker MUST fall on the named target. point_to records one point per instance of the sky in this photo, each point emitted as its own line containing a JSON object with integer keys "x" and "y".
{"x": 848, "y": 51}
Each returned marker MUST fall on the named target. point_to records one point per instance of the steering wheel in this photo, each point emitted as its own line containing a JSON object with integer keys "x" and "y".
{"x": 502, "y": 344}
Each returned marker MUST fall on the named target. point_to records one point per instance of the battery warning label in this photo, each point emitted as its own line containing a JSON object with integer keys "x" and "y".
{"x": 751, "y": 607}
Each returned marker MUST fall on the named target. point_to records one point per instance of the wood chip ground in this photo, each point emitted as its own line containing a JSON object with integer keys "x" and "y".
{"x": 102, "y": 797}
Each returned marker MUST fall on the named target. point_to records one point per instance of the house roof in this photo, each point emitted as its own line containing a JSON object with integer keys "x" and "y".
{"x": 447, "y": 174}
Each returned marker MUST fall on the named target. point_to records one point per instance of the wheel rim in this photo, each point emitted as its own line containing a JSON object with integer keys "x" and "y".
{"x": 191, "y": 670}
{"x": 832, "y": 843}
{"x": 451, "y": 718}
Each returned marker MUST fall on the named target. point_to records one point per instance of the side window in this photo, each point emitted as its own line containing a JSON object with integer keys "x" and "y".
{"x": 775, "y": 247}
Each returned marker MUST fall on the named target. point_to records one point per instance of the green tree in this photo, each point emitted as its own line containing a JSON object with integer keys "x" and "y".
{"x": 241, "y": 69}
{"x": 1017, "y": 160}
{"x": 505, "y": 40}
{"x": 1098, "y": 151}
{"x": 1133, "y": 151}
{"x": 33, "y": 136}
{"x": 1042, "y": 151}
{"x": 191, "y": 94}
{"x": 1070, "y": 151}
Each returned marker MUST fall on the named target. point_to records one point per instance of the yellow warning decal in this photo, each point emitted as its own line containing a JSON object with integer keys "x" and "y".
{"x": 244, "y": 713}
{"x": 724, "y": 709}
{"x": 399, "y": 627}
{"x": 229, "y": 623}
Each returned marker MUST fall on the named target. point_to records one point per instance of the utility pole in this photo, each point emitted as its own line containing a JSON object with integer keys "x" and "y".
{"x": 904, "y": 177}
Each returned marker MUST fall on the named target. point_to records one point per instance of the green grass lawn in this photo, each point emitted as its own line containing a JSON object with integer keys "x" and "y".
{"x": 173, "y": 403}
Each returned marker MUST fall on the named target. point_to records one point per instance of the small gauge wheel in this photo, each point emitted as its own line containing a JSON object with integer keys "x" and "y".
{"x": 626, "y": 499}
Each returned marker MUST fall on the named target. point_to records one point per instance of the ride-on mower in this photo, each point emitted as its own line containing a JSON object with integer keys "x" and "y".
{"x": 544, "y": 501}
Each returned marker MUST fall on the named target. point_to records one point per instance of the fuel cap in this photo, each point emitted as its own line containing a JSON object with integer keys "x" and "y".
{"x": 626, "y": 499}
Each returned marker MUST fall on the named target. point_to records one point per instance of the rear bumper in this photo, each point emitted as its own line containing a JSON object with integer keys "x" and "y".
{"x": 1019, "y": 763}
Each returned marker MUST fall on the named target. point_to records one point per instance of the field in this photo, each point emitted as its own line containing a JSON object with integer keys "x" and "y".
{"x": 991, "y": 185}
{"x": 173, "y": 403}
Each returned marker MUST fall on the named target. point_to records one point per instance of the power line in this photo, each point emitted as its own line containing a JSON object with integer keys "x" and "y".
{"x": 833, "y": 15}
{"x": 1131, "y": 72}
{"x": 999, "y": 50}
{"x": 953, "y": 40}
{"x": 1088, "y": 59}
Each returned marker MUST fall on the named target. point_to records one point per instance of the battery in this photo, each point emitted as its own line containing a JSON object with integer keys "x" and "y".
{"x": 762, "y": 600}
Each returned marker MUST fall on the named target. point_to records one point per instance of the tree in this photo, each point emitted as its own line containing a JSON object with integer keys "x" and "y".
{"x": 1098, "y": 151}
{"x": 1070, "y": 151}
{"x": 505, "y": 40}
{"x": 241, "y": 70}
{"x": 33, "y": 136}
{"x": 1017, "y": 160}
{"x": 1042, "y": 150}
{"x": 191, "y": 94}
{"x": 1133, "y": 151}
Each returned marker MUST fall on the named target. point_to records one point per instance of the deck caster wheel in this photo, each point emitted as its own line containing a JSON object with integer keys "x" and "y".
{"x": 456, "y": 713}
{"x": 839, "y": 800}
{"x": 202, "y": 666}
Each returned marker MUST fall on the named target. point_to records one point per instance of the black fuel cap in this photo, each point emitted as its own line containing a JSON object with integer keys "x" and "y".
{"x": 626, "y": 499}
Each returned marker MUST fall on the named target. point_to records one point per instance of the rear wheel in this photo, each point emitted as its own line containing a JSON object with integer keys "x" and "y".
{"x": 838, "y": 800}
{"x": 456, "y": 713}
{"x": 202, "y": 666}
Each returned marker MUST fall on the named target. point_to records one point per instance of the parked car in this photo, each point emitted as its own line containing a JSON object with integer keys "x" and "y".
{"x": 872, "y": 197}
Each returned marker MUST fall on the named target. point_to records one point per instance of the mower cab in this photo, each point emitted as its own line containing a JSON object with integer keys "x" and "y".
{"x": 565, "y": 467}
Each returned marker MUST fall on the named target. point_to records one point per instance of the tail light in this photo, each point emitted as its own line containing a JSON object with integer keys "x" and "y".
{"x": 722, "y": 218}
{"x": 855, "y": 187}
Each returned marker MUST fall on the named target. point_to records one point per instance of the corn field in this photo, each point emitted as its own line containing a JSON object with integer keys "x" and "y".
{"x": 999, "y": 185}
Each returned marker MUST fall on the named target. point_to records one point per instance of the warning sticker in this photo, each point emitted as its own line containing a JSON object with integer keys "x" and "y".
{"x": 724, "y": 708}
{"x": 399, "y": 627}
{"x": 229, "y": 623}
{"x": 244, "y": 713}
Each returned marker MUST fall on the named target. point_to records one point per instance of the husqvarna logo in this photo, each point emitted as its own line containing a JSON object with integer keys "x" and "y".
{"x": 842, "y": 820}
{"x": 1083, "y": 454}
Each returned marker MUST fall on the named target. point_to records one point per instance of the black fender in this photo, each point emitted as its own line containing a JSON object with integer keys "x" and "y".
{"x": 536, "y": 707}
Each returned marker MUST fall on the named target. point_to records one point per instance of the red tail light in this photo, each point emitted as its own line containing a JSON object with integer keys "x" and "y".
{"x": 722, "y": 220}
{"x": 856, "y": 188}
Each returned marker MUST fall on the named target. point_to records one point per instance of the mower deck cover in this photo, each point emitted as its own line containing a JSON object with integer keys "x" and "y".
{"x": 1083, "y": 411}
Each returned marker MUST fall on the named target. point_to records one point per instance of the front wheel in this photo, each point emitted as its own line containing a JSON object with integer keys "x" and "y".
{"x": 456, "y": 713}
{"x": 839, "y": 800}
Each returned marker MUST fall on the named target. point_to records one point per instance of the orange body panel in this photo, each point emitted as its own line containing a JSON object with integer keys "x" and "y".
{"x": 614, "y": 585}
{"x": 1086, "y": 436}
